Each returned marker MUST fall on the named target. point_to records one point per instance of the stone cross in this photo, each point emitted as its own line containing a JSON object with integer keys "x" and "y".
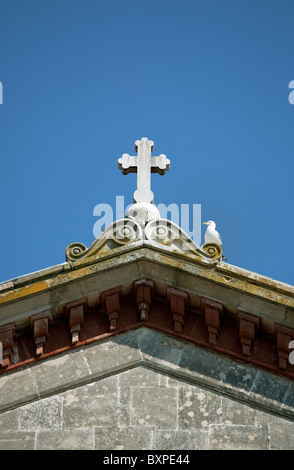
{"x": 143, "y": 164}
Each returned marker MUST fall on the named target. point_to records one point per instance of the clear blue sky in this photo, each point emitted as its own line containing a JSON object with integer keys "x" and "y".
{"x": 207, "y": 81}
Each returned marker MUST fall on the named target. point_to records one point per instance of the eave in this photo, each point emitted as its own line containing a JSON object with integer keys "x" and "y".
{"x": 236, "y": 290}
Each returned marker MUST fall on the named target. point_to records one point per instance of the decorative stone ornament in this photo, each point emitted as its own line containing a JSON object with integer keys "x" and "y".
{"x": 160, "y": 232}
{"x": 143, "y": 164}
{"x": 142, "y": 220}
{"x": 143, "y": 212}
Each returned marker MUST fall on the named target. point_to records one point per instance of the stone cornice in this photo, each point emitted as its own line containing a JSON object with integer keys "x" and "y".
{"x": 165, "y": 308}
{"x": 222, "y": 277}
{"x": 225, "y": 269}
{"x": 211, "y": 304}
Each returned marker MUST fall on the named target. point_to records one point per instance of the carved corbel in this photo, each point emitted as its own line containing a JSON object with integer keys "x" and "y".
{"x": 40, "y": 325}
{"x": 213, "y": 312}
{"x": 111, "y": 301}
{"x": 6, "y": 339}
{"x": 75, "y": 311}
{"x": 143, "y": 290}
{"x": 283, "y": 335}
{"x": 248, "y": 327}
{"x": 178, "y": 300}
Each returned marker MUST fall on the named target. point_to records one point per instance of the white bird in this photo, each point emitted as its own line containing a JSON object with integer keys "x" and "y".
{"x": 211, "y": 235}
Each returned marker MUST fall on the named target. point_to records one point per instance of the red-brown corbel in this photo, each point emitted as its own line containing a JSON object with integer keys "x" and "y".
{"x": 6, "y": 339}
{"x": 248, "y": 327}
{"x": 75, "y": 311}
{"x": 213, "y": 312}
{"x": 143, "y": 290}
{"x": 283, "y": 335}
{"x": 111, "y": 300}
{"x": 178, "y": 300}
{"x": 40, "y": 325}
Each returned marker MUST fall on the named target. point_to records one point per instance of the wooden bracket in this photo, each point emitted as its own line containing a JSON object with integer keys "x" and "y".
{"x": 6, "y": 339}
{"x": 75, "y": 311}
{"x": 111, "y": 300}
{"x": 283, "y": 335}
{"x": 143, "y": 291}
{"x": 40, "y": 325}
{"x": 213, "y": 312}
{"x": 248, "y": 327}
{"x": 178, "y": 300}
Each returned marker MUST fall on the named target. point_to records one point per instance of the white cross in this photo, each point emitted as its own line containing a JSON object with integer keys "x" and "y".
{"x": 143, "y": 164}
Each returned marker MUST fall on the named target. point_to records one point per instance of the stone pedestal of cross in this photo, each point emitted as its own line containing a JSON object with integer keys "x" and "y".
{"x": 143, "y": 164}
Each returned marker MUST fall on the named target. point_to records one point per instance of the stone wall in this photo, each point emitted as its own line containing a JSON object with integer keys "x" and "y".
{"x": 144, "y": 390}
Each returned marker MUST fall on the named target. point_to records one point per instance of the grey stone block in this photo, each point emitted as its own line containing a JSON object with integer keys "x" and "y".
{"x": 137, "y": 377}
{"x": 162, "y": 349}
{"x": 269, "y": 390}
{"x": 197, "y": 408}
{"x": 88, "y": 406}
{"x": 180, "y": 440}
{"x": 240, "y": 378}
{"x": 9, "y": 420}
{"x": 124, "y": 398}
{"x": 78, "y": 439}
{"x": 104, "y": 387}
{"x": 202, "y": 366}
{"x": 154, "y": 406}
{"x": 57, "y": 373}
{"x": 125, "y": 438}
{"x": 17, "y": 441}
{"x": 281, "y": 434}
{"x": 45, "y": 414}
{"x": 289, "y": 396}
{"x": 140, "y": 375}
{"x": 234, "y": 412}
{"x": 113, "y": 355}
{"x": 263, "y": 418}
{"x": 17, "y": 387}
{"x": 239, "y": 437}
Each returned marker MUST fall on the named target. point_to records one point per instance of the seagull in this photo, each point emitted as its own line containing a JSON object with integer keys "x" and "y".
{"x": 211, "y": 235}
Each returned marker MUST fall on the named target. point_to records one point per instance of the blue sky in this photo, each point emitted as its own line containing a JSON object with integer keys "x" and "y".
{"x": 207, "y": 81}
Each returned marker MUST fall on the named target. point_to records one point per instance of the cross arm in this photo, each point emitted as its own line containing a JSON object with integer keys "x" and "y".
{"x": 127, "y": 164}
{"x": 160, "y": 164}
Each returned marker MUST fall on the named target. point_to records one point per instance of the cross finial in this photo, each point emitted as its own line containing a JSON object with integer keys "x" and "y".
{"x": 143, "y": 164}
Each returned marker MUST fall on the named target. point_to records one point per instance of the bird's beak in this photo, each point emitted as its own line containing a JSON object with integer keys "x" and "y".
{"x": 205, "y": 223}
